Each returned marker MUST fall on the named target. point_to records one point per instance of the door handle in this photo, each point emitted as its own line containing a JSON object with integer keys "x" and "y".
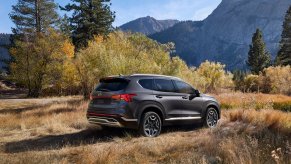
{"x": 185, "y": 97}
{"x": 158, "y": 96}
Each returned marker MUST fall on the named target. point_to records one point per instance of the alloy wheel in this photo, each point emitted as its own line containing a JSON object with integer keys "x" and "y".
{"x": 152, "y": 125}
{"x": 212, "y": 118}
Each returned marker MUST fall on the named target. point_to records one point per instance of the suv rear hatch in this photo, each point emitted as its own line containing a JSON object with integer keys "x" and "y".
{"x": 109, "y": 95}
{"x": 107, "y": 91}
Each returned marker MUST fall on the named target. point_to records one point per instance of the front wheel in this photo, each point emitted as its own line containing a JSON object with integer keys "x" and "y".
{"x": 150, "y": 125}
{"x": 211, "y": 118}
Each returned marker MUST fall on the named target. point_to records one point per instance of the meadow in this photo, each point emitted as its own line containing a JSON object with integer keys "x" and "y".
{"x": 55, "y": 130}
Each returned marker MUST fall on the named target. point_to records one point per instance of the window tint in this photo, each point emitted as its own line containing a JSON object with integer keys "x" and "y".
{"x": 108, "y": 85}
{"x": 146, "y": 83}
{"x": 164, "y": 85}
{"x": 184, "y": 87}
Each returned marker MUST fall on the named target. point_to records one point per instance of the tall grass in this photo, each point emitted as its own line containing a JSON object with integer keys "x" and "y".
{"x": 254, "y": 101}
{"x": 59, "y": 133}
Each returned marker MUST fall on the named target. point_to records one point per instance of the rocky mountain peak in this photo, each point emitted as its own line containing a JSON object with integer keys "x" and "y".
{"x": 148, "y": 25}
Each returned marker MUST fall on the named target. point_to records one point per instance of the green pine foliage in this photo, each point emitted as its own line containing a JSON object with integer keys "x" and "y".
{"x": 65, "y": 26}
{"x": 238, "y": 79}
{"x": 284, "y": 54}
{"x": 33, "y": 16}
{"x": 90, "y": 18}
{"x": 258, "y": 57}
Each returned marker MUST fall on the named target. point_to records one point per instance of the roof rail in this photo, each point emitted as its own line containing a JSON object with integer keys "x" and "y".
{"x": 156, "y": 75}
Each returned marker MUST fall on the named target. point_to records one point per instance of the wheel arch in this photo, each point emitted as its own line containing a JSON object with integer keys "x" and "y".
{"x": 154, "y": 107}
{"x": 212, "y": 105}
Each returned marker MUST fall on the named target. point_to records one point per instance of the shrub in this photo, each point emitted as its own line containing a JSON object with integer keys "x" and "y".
{"x": 251, "y": 83}
{"x": 213, "y": 76}
{"x": 283, "y": 106}
{"x": 279, "y": 79}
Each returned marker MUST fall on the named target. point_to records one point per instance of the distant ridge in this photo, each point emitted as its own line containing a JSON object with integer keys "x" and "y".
{"x": 148, "y": 25}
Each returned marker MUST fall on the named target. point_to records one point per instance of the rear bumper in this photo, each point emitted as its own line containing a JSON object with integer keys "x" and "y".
{"x": 104, "y": 121}
{"x": 111, "y": 120}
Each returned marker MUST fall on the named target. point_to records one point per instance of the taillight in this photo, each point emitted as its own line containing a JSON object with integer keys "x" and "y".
{"x": 125, "y": 97}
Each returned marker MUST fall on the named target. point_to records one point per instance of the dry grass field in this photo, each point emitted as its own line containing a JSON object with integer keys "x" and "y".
{"x": 55, "y": 130}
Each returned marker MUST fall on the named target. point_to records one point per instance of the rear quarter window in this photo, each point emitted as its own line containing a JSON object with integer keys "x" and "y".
{"x": 107, "y": 85}
{"x": 147, "y": 83}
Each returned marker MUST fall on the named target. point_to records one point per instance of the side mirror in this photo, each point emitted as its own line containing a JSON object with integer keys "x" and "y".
{"x": 195, "y": 94}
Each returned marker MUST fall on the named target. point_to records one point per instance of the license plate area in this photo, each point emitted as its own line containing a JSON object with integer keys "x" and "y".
{"x": 102, "y": 101}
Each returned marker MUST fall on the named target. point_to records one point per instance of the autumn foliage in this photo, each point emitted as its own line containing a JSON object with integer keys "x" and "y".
{"x": 270, "y": 80}
{"x": 50, "y": 66}
{"x": 124, "y": 53}
{"x": 44, "y": 62}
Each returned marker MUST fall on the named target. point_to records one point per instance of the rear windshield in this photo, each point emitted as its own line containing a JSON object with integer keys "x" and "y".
{"x": 107, "y": 85}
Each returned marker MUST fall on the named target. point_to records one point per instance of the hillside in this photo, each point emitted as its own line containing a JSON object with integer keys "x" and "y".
{"x": 225, "y": 35}
{"x": 148, "y": 25}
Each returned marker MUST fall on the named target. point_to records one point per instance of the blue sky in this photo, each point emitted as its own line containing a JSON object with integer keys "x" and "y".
{"x": 127, "y": 10}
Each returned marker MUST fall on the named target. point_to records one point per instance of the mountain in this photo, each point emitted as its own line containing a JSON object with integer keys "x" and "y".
{"x": 148, "y": 25}
{"x": 4, "y": 54}
{"x": 226, "y": 33}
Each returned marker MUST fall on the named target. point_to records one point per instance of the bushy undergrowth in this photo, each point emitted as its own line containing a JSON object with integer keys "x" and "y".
{"x": 125, "y": 54}
{"x": 283, "y": 106}
{"x": 254, "y": 101}
{"x": 271, "y": 80}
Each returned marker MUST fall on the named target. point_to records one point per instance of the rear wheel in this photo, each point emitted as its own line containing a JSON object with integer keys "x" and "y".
{"x": 150, "y": 125}
{"x": 211, "y": 118}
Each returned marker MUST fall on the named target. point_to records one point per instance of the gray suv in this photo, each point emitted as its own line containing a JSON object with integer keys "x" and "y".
{"x": 148, "y": 102}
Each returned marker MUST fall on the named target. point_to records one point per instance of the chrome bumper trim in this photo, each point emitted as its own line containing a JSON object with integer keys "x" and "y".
{"x": 183, "y": 118}
{"x": 127, "y": 119}
{"x": 104, "y": 121}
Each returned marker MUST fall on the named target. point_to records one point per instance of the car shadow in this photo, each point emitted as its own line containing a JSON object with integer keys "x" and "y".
{"x": 84, "y": 137}
{"x": 51, "y": 142}
{"x": 180, "y": 128}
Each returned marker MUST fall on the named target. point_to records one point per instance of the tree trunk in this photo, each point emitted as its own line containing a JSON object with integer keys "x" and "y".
{"x": 85, "y": 90}
{"x": 37, "y": 16}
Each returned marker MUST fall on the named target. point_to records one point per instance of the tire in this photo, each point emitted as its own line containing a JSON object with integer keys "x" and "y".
{"x": 211, "y": 118}
{"x": 150, "y": 125}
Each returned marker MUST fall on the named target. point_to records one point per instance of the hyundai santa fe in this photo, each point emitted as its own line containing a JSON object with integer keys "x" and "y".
{"x": 148, "y": 102}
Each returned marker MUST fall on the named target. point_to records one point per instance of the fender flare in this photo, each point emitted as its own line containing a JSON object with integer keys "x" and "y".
{"x": 149, "y": 104}
{"x": 211, "y": 103}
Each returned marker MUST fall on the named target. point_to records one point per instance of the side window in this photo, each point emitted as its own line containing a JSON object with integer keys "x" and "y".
{"x": 146, "y": 83}
{"x": 164, "y": 85}
{"x": 184, "y": 87}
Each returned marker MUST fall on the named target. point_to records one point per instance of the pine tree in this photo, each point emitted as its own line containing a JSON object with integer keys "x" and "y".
{"x": 258, "y": 57}
{"x": 284, "y": 54}
{"x": 238, "y": 79}
{"x": 33, "y": 16}
{"x": 65, "y": 26}
{"x": 90, "y": 17}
